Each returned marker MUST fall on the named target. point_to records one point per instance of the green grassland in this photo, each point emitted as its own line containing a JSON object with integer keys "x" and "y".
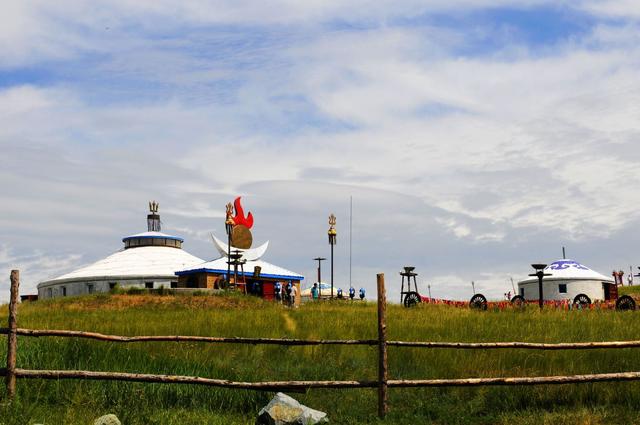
{"x": 79, "y": 402}
{"x": 629, "y": 290}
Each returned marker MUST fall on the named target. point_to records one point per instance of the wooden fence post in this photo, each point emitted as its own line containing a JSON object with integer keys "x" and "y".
{"x": 12, "y": 337}
{"x": 383, "y": 406}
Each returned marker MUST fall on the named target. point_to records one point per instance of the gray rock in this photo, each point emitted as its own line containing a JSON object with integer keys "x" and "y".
{"x": 109, "y": 419}
{"x": 284, "y": 410}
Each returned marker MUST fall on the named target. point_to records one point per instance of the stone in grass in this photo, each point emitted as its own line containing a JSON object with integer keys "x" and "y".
{"x": 284, "y": 410}
{"x": 109, "y": 419}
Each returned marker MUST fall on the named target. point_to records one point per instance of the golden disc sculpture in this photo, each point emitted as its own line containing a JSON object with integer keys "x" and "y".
{"x": 241, "y": 237}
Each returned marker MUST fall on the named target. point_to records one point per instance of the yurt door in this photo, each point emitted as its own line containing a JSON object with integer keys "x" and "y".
{"x": 610, "y": 291}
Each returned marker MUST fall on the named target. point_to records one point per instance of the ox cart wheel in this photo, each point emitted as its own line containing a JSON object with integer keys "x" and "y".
{"x": 582, "y": 299}
{"x": 412, "y": 299}
{"x": 518, "y": 301}
{"x": 625, "y": 302}
{"x": 478, "y": 301}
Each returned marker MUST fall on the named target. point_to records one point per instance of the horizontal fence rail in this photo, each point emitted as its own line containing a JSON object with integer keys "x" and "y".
{"x": 302, "y": 342}
{"x": 187, "y": 338}
{"x": 303, "y": 385}
{"x": 519, "y": 345}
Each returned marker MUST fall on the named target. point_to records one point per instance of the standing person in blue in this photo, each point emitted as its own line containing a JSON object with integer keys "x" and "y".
{"x": 314, "y": 291}
{"x": 277, "y": 291}
{"x": 339, "y": 293}
{"x": 362, "y": 293}
{"x": 352, "y": 293}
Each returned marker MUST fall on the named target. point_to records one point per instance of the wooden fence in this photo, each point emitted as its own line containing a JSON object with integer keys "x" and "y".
{"x": 12, "y": 373}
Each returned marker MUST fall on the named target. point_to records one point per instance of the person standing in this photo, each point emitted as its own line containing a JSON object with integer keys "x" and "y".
{"x": 277, "y": 290}
{"x": 294, "y": 292}
{"x": 289, "y": 290}
{"x": 314, "y": 291}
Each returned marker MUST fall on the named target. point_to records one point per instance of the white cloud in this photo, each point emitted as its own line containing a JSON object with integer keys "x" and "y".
{"x": 34, "y": 267}
{"x": 614, "y": 8}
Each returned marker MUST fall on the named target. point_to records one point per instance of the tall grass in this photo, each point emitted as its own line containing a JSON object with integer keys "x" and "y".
{"x": 80, "y": 402}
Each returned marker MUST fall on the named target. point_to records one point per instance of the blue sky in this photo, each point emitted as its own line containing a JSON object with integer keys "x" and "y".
{"x": 475, "y": 136}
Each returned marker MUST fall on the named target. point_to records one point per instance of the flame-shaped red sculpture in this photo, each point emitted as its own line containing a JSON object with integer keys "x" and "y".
{"x": 240, "y": 218}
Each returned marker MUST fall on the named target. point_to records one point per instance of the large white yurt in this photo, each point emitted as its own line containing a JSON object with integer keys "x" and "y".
{"x": 571, "y": 281}
{"x": 147, "y": 260}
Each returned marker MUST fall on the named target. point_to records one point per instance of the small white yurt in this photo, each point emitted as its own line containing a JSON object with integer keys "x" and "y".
{"x": 325, "y": 291}
{"x": 571, "y": 281}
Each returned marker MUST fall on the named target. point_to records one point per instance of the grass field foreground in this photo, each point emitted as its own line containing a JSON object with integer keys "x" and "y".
{"x": 73, "y": 401}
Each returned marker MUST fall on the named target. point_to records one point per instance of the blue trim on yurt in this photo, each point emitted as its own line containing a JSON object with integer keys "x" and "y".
{"x": 271, "y": 276}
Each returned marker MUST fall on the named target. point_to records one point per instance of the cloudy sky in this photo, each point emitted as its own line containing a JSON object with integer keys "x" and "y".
{"x": 475, "y": 136}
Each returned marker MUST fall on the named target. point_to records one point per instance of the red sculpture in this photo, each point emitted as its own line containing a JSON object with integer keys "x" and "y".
{"x": 240, "y": 218}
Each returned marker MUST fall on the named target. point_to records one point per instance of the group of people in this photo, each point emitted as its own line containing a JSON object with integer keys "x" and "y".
{"x": 289, "y": 296}
{"x": 288, "y": 293}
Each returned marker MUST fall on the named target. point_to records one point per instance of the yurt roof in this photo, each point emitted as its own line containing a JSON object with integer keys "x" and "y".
{"x": 220, "y": 266}
{"x": 569, "y": 270}
{"x": 141, "y": 261}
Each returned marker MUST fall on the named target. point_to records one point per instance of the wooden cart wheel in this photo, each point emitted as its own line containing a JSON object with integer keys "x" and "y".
{"x": 582, "y": 299}
{"x": 625, "y": 302}
{"x": 478, "y": 301}
{"x": 518, "y": 301}
{"x": 411, "y": 299}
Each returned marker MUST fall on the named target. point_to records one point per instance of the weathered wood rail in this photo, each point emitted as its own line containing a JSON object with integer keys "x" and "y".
{"x": 12, "y": 373}
{"x": 302, "y": 342}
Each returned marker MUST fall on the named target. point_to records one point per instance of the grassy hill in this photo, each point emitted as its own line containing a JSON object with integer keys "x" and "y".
{"x": 72, "y": 402}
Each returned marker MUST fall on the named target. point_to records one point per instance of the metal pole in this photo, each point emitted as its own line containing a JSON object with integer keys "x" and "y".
{"x": 383, "y": 371}
{"x": 541, "y": 299}
{"x": 319, "y": 260}
{"x": 319, "y": 279}
{"x": 429, "y": 286}
{"x": 331, "y": 271}
{"x": 12, "y": 336}
{"x": 539, "y": 268}
{"x": 350, "y": 235}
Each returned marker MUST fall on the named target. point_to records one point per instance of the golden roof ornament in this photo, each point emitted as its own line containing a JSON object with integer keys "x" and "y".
{"x": 332, "y": 225}
{"x": 153, "y": 207}
{"x": 229, "y": 219}
{"x": 333, "y": 233}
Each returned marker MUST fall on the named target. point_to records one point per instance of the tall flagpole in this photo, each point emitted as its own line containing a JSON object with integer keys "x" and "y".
{"x": 350, "y": 237}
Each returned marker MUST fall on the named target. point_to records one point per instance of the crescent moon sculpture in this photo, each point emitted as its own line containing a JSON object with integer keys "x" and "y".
{"x": 247, "y": 254}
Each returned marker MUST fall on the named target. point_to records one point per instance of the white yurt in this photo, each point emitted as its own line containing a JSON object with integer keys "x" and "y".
{"x": 569, "y": 280}
{"x": 147, "y": 260}
{"x": 325, "y": 291}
